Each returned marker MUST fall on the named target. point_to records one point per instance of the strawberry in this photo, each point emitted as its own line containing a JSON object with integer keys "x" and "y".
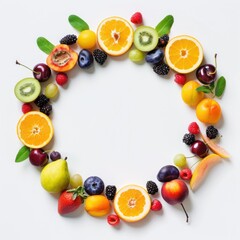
{"x": 137, "y": 18}
{"x": 70, "y": 200}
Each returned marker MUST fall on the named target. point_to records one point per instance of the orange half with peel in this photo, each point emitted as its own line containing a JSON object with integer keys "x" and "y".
{"x": 132, "y": 203}
{"x": 35, "y": 129}
{"x": 183, "y": 54}
{"x": 115, "y": 35}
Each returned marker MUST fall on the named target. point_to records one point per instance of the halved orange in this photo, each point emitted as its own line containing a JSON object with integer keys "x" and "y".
{"x": 132, "y": 203}
{"x": 184, "y": 54}
{"x": 35, "y": 129}
{"x": 115, "y": 35}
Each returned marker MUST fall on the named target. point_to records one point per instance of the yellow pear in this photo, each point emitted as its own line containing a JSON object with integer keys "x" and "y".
{"x": 55, "y": 176}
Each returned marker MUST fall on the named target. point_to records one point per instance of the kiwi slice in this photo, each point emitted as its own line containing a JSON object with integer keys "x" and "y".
{"x": 27, "y": 89}
{"x": 145, "y": 38}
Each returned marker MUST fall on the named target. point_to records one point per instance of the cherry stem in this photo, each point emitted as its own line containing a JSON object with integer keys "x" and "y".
{"x": 185, "y": 212}
{"x": 215, "y": 64}
{"x": 17, "y": 62}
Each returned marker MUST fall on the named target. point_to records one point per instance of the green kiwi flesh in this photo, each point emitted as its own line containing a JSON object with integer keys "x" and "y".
{"x": 145, "y": 38}
{"x": 27, "y": 89}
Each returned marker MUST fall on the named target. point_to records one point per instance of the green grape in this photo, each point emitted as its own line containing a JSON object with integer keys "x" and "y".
{"x": 51, "y": 90}
{"x": 136, "y": 55}
{"x": 180, "y": 160}
{"x": 76, "y": 180}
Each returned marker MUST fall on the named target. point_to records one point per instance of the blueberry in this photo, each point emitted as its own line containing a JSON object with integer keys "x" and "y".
{"x": 155, "y": 56}
{"x": 85, "y": 59}
{"x": 93, "y": 185}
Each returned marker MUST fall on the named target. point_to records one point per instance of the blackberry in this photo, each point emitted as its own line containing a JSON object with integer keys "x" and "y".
{"x": 69, "y": 39}
{"x": 46, "y": 109}
{"x": 100, "y": 56}
{"x": 161, "y": 69}
{"x": 110, "y": 192}
{"x": 152, "y": 187}
{"x": 163, "y": 41}
{"x": 41, "y": 100}
{"x": 189, "y": 138}
{"x": 211, "y": 132}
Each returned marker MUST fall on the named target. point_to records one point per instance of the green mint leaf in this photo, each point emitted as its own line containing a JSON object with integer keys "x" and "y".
{"x": 78, "y": 23}
{"x": 22, "y": 154}
{"x": 204, "y": 89}
{"x": 220, "y": 86}
{"x": 165, "y": 25}
{"x": 45, "y": 45}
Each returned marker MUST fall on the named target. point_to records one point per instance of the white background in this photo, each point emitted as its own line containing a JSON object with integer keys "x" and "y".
{"x": 121, "y": 122}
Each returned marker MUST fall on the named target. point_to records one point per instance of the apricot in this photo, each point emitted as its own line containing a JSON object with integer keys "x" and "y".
{"x": 62, "y": 58}
{"x": 87, "y": 39}
{"x": 97, "y": 205}
{"x": 208, "y": 111}
{"x": 190, "y": 95}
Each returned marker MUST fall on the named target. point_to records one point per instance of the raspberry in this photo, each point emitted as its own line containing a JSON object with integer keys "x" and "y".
{"x": 136, "y": 18}
{"x": 152, "y": 187}
{"x": 110, "y": 192}
{"x": 163, "y": 41}
{"x": 61, "y": 78}
{"x": 156, "y": 205}
{"x": 113, "y": 219}
{"x": 69, "y": 39}
{"x": 161, "y": 69}
{"x": 186, "y": 174}
{"x": 99, "y": 56}
{"x": 193, "y": 128}
{"x": 189, "y": 138}
{"x": 211, "y": 132}
{"x": 180, "y": 79}
{"x": 26, "y": 107}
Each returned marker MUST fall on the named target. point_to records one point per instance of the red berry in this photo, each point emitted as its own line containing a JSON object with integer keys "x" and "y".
{"x": 61, "y": 78}
{"x": 26, "y": 107}
{"x": 137, "y": 18}
{"x": 193, "y": 128}
{"x": 186, "y": 174}
{"x": 113, "y": 219}
{"x": 180, "y": 79}
{"x": 156, "y": 205}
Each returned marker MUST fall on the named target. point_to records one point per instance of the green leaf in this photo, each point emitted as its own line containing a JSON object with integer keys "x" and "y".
{"x": 204, "y": 89}
{"x": 220, "y": 87}
{"x": 165, "y": 25}
{"x": 78, "y": 23}
{"x": 212, "y": 85}
{"x": 45, "y": 45}
{"x": 22, "y": 154}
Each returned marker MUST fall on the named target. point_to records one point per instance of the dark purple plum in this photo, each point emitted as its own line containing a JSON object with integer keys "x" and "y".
{"x": 167, "y": 173}
{"x": 54, "y": 155}
{"x": 155, "y": 56}
{"x": 85, "y": 59}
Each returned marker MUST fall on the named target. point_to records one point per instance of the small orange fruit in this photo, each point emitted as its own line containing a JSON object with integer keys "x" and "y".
{"x": 115, "y": 35}
{"x": 208, "y": 111}
{"x": 97, "y": 205}
{"x": 35, "y": 129}
{"x": 190, "y": 95}
{"x": 87, "y": 39}
{"x": 183, "y": 54}
{"x": 132, "y": 203}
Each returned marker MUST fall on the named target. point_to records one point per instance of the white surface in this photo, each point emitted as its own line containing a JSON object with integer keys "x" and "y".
{"x": 121, "y": 122}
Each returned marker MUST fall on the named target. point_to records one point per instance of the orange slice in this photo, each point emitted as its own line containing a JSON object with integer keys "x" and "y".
{"x": 184, "y": 54}
{"x": 35, "y": 129}
{"x": 115, "y": 35}
{"x": 132, "y": 203}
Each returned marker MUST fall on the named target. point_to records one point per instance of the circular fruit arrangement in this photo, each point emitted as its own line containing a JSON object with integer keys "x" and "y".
{"x": 116, "y": 36}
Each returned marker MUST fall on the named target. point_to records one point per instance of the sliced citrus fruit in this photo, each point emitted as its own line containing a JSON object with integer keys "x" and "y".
{"x": 132, "y": 203}
{"x": 35, "y": 129}
{"x": 183, "y": 54}
{"x": 115, "y": 35}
